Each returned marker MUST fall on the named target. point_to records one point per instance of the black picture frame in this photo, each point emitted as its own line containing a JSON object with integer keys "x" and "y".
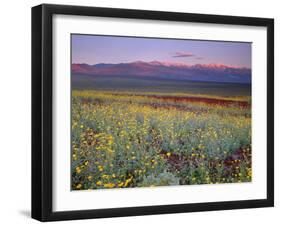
{"x": 42, "y": 96}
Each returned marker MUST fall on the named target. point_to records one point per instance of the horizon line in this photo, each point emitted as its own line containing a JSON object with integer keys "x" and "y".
{"x": 169, "y": 63}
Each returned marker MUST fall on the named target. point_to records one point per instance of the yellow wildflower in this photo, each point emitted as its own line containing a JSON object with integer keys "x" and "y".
{"x": 128, "y": 181}
{"x": 120, "y": 184}
{"x": 77, "y": 169}
{"x": 109, "y": 185}
{"x": 99, "y": 183}
{"x": 78, "y": 186}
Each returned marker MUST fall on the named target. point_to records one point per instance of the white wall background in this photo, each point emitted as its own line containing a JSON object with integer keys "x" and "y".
{"x": 15, "y": 113}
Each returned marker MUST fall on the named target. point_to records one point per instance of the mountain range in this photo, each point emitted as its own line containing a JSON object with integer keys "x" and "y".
{"x": 168, "y": 70}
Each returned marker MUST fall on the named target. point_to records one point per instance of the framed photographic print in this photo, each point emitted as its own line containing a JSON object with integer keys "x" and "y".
{"x": 146, "y": 112}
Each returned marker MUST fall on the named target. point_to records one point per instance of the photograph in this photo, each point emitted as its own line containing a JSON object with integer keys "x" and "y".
{"x": 145, "y": 112}
{"x": 148, "y": 111}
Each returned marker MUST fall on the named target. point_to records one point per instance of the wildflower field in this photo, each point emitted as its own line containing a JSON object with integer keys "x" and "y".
{"x": 138, "y": 139}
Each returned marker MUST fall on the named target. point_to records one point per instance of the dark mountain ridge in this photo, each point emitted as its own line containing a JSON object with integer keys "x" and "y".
{"x": 167, "y": 70}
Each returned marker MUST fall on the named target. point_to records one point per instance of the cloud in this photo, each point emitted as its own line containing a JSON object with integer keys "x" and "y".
{"x": 199, "y": 58}
{"x": 184, "y": 54}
